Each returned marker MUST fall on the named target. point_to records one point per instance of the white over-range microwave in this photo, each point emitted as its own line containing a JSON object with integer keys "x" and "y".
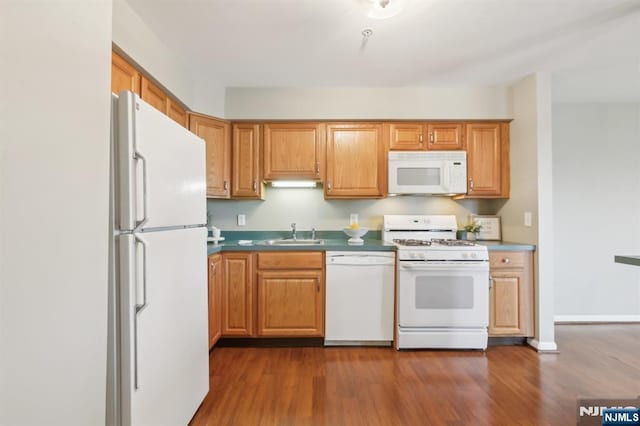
{"x": 424, "y": 172}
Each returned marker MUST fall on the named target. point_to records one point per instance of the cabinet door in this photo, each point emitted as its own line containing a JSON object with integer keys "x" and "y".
{"x": 293, "y": 151}
{"x": 246, "y": 182}
{"x": 484, "y": 159}
{"x": 290, "y": 303}
{"x": 444, "y": 136}
{"x": 237, "y": 294}
{"x": 215, "y": 299}
{"x": 123, "y": 75}
{"x": 511, "y": 296}
{"x": 356, "y": 161}
{"x": 217, "y": 138}
{"x": 506, "y": 292}
{"x": 406, "y": 136}
{"x": 153, "y": 95}
{"x": 176, "y": 112}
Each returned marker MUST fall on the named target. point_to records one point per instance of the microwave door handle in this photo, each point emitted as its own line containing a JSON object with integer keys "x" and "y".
{"x": 447, "y": 178}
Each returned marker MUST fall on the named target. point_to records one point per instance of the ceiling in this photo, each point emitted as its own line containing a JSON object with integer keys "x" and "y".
{"x": 318, "y": 43}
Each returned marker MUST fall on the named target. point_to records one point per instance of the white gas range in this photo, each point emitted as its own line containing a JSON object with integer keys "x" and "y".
{"x": 443, "y": 284}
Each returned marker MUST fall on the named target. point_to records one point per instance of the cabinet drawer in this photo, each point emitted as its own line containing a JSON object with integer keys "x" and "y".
{"x": 507, "y": 259}
{"x": 290, "y": 260}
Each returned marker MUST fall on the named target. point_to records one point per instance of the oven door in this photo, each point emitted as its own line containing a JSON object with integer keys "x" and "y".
{"x": 443, "y": 294}
{"x": 418, "y": 177}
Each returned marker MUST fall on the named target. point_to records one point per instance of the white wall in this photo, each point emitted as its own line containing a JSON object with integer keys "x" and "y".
{"x": 209, "y": 94}
{"x": 136, "y": 39}
{"x": 54, "y": 159}
{"x": 308, "y": 208}
{"x": 368, "y": 103}
{"x": 596, "y": 210}
{"x": 531, "y": 179}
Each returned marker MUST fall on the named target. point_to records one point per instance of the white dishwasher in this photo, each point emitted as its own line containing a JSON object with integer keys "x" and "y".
{"x": 359, "y": 298}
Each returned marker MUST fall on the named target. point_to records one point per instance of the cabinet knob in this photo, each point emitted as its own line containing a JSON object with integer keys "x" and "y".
{"x": 317, "y": 168}
{"x": 420, "y": 139}
{"x": 328, "y": 186}
{"x": 470, "y": 184}
{"x": 226, "y": 185}
{"x": 431, "y": 138}
{"x": 506, "y": 260}
{"x": 213, "y": 268}
{"x": 255, "y": 186}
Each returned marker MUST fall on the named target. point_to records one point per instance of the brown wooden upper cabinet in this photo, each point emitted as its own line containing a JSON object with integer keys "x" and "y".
{"x": 176, "y": 112}
{"x": 124, "y": 76}
{"x": 487, "y": 146}
{"x": 153, "y": 95}
{"x": 425, "y": 136}
{"x": 356, "y": 161}
{"x": 246, "y": 181}
{"x": 217, "y": 137}
{"x": 293, "y": 151}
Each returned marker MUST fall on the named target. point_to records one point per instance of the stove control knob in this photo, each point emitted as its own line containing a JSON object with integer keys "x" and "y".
{"x": 474, "y": 255}
{"x": 465, "y": 255}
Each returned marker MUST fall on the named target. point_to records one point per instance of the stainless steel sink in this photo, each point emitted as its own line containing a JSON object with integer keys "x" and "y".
{"x": 292, "y": 242}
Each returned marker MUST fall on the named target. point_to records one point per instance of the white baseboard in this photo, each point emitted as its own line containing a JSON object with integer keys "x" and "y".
{"x": 596, "y": 318}
{"x": 543, "y": 346}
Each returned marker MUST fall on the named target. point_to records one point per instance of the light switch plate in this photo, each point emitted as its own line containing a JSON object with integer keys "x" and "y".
{"x": 242, "y": 220}
{"x": 527, "y": 219}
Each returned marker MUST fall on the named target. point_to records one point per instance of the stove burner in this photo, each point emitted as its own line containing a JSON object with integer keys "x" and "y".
{"x": 412, "y": 242}
{"x": 457, "y": 243}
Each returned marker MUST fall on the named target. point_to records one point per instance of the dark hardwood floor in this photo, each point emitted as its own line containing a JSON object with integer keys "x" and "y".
{"x": 507, "y": 385}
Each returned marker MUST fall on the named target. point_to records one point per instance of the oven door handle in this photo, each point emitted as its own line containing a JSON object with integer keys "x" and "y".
{"x": 449, "y": 266}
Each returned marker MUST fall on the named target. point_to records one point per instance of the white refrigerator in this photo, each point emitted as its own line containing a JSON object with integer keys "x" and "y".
{"x": 158, "y": 363}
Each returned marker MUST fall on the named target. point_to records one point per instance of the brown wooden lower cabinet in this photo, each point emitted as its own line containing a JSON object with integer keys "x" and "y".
{"x": 215, "y": 298}
{"x": 511, "y": 306}
{"x": 290, "y": 303}
{"x": 283, "y": 298}
{"x": 237, "y": 294}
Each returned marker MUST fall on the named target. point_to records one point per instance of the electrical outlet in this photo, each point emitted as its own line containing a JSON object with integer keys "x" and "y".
{"x": 242, "y": 220}
{"x": 527, "y": 219}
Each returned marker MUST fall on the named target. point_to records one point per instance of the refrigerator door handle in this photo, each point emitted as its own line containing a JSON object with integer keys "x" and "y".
{"x": 145, "y": 179}
{"x": 143, "y": 243}
{"x": 138, "y": 308}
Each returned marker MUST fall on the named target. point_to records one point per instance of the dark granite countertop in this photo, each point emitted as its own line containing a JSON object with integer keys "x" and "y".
{"x": 507, "y": 246}
{"x": 628, "y": 260}
{"x": 333, "y": 241}
{"x": 328, "y": 245}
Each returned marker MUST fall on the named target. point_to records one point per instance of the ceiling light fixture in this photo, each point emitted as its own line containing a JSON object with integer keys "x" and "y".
{"x": 384, "y": 9}
{"x": 293, "y": 184}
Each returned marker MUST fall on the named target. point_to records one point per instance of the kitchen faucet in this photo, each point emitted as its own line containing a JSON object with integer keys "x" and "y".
{"x": 293, "y": 231}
